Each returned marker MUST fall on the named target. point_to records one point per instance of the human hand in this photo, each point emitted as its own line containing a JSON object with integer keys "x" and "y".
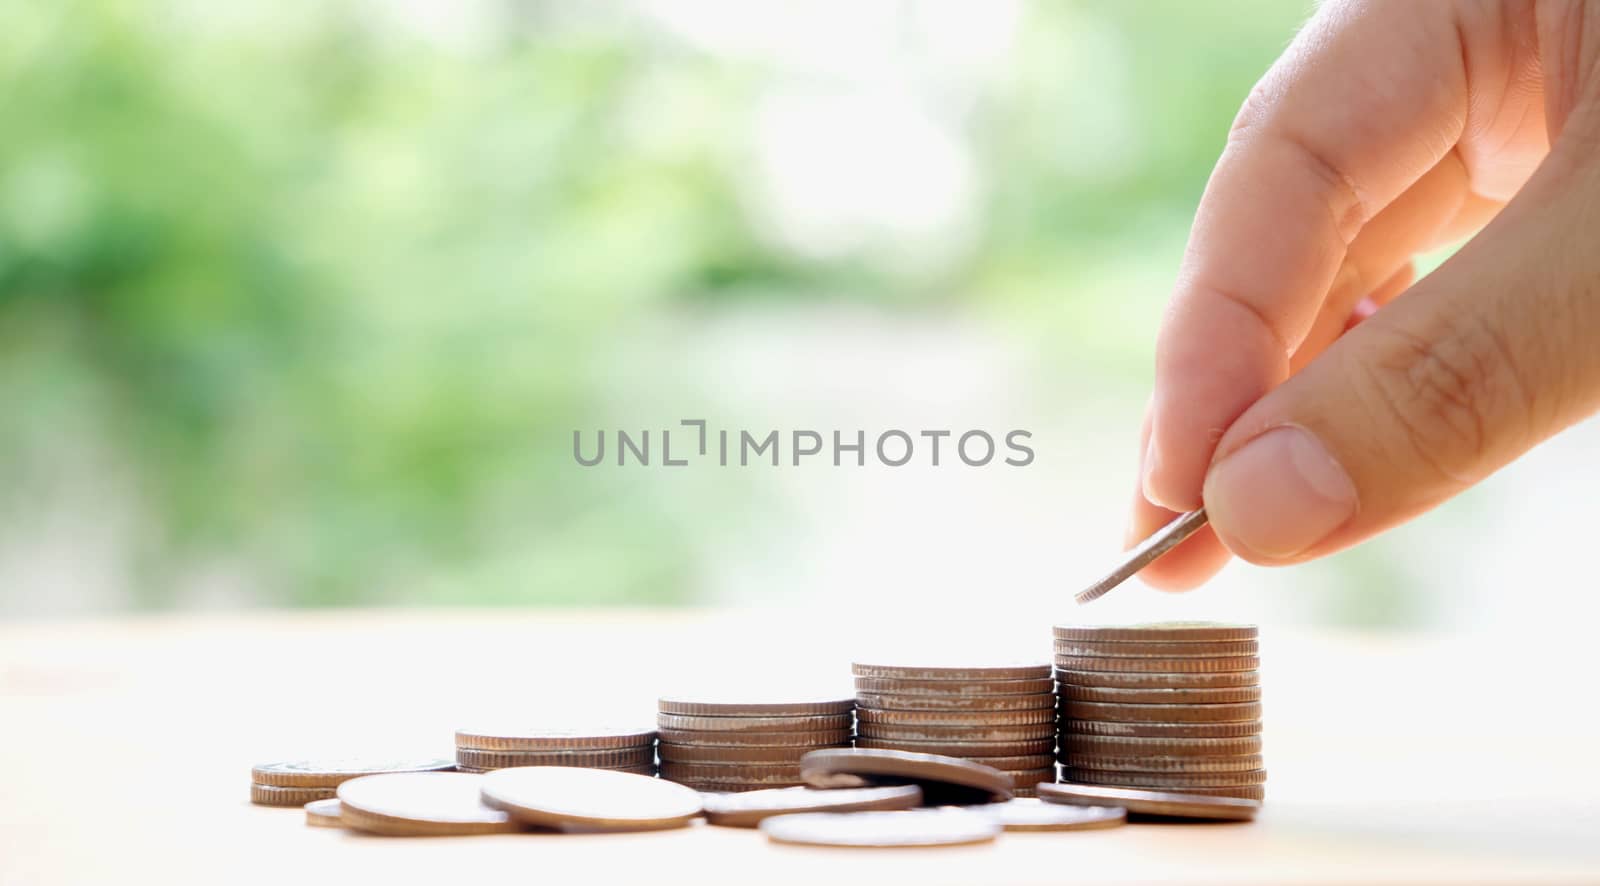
{"x": 1296, "y": 394}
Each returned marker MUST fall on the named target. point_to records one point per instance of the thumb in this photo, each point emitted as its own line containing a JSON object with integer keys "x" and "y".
{"x": 1491, "y": 354}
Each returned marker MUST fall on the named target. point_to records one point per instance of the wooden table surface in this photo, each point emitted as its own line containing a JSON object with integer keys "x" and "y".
{"x": 125, "y": 749}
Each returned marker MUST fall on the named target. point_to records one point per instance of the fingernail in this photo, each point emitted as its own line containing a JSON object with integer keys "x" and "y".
{"x": 1279, "y": 494}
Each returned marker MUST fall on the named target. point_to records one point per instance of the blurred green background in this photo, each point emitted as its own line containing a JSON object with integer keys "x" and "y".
{"x": 301, "y": 303}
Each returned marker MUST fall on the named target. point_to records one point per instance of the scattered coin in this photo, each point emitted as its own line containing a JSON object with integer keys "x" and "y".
{"x": 958, "y": 718}
{"x": 589, "y": 799}
{"x": 1158, "y": 632}
{"x": 931, "y": 732}
{"x": 1162, "y": 730}
{"x": 272, "y": 795}
{"x": 1029, "y": 814}
{"x": 980, "y": 687}
{"x": 1141, "y": 680}
{"x": 965, "y": 749}
{"x": 944, "y": 780}
{"x": 1218, "y": 695}
{"x": 748, "y": 809}
{"x": 1097, "y": 649}
{"x": 810, "y": 723}
{"x": 421, "y": 804}
{"x": 1017, "y": 671}
{"x": 1164, "y": 779}
{"x": 1154, "y": 803}
{"x": 330, "y": 773}
{"x": 1239, "y": 763}
{"x": 755, "y": 739}
{"x": 915, "y": 827}
{"x": 1161, "y": 713}
{"x": 1159, "y": 665}
{"x": 554, "y": 739}
{"x": 878, "y": 701}
{"x": 615, "y": 758}
{"x": 324, "y": 813}
{"x": 694, "y": 706}
{"x": 1113, "y": 746}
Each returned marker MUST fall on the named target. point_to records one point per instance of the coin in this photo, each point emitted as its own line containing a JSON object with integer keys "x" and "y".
{"x": 944, "y": 780}
{"x": 1036, "y": 815}
{"x": 1032, "y": 686}
{"x": 709, "y": 773}
{"x": 273, "y": 795}
{"x": 877, "y": 701}
{"x": 677, "y": 753}
{"x": 1158, "y": 632}
{"x": 324, "y": 813}
{"x": 1027, "y": 778}
{"x": 696, "y": 706}
{"x": 1137, "y": 680}
{"x": 1113, "y": 746}
{"x": 957, "y": 718}
{"x": 1239, "y": 763}
{"x": 553, "y": 739}
{"x": 1161, "y": 730}
{"x": 1144, "y": 553}
{"x": 1229, "y": 649}
{"x": 817, "y": 723}
{"x": 1220, "y": 695}
{"x": 1164, "y": 779}
{"x": 1161, "y": 713}
{"x": 420, "y": 804}
{"x": 746, "y": 810}
{"x": 616, "y": 758}
{"x": 1255, "y": 792}
{"x": 1155, "y": 803}
{"x": 589, "y": 799}
{"x": 329, "y": 773}
{"x": 1159, "y": 665}
{"x": 1010, "y": 763}
{"x": 964, "y": 749}
{"x": 963, "y": 672}
{"x": 735, "y": 787}
{"x": 755, "y": 739}
{"x": 914, "y": 827}
{"x": 956, "y": 733}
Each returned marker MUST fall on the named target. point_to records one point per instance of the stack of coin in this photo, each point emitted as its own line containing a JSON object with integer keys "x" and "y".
{"x": 300, "y": 782}
{"x": 730, "y": 745}
{"x": 626, "y": 749}
{"x": 1168, "y": 707}
{"x": 999, "y": 715}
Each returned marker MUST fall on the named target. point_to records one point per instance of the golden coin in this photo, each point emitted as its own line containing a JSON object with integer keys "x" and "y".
{"x": 755, "y": 739}
{"x": 1156, "y": 650}
{"x": 273, "y": 795}
{"x": 420, "y": 804}
{"x": 1159, "y": 665}
{"x": 1238, "y": 763}
{"x": 1028, "y": 814}
{"x": 944, "y": 780}
{"x": 324, "y": 813}
{"x": 964, "y": 749}
{"x": 816, "y": 723}
{"x": 1154, "y": 803}
{"x": 616, "y": 758}
{"x": 954, "y": 672}
{"x": 1158, "y": 632}
{"x": 330, "y": 773}
{"x": 1114, "y": 746}
{"x": 878, "y": 701}
{"x": 1239, "y": 729}
{"x": 965, "y": 688}
{"x": 677, "y": 753}
{"x": 696, "y": 706}
{"x": 957, "y": 718}
{"x": 1218, "y": 695}
{"x": 589, "y": 799}
{"x": 956, "y": 733}
{"x": 1138, "y": 680}
{"x": 553, "y": 739}
{"x": 914, "y": 827}
{"x": 1161, "y": 713}
{"x": 1164, "y": 779}
{"x": 746, "y": 810}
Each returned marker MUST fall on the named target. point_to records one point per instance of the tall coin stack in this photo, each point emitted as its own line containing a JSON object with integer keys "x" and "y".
{"x": 1171, "y": 706}
{"x": 726, "y": 745}
{"x": 1002, "y": 716}
{"x": 627, "y": 750}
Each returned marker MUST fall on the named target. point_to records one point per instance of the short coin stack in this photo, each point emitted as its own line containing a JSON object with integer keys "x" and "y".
{"x": 724, "y": 745}
{"x": 300, "y": 782}
{"x": 999, "y": 715}
{"x": 1171, "y": 707}
{"x": 626, "y": 749}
